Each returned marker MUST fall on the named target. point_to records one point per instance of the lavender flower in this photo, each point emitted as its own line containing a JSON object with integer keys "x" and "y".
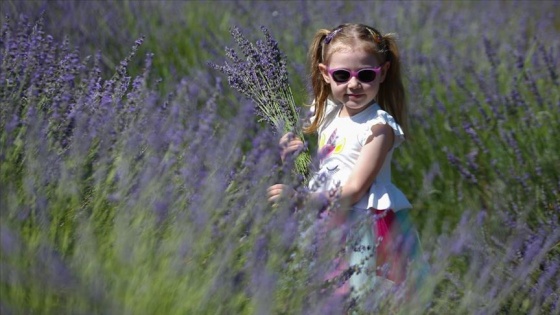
{"x": 261, "y": 76}
{"x": 115, "y": 198}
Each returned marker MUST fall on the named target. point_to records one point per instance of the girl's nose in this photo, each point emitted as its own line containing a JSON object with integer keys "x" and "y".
{"x": 353, "y": 82}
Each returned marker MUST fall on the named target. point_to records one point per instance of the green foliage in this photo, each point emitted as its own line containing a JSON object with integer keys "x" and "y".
{"x": 121, "y": 198}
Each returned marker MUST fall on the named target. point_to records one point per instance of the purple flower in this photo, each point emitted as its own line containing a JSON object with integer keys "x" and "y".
{"x": 262, "y": 76}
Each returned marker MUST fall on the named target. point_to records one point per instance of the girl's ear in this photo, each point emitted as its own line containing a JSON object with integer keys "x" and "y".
{"x": 384, "y": 70}
{"x": 324, "y": 73}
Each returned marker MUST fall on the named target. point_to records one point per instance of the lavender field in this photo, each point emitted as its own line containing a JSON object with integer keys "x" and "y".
{"x": 133, "y": 177}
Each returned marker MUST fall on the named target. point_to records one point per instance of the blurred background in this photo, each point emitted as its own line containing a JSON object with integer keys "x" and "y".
{"x": 481, "y": 167}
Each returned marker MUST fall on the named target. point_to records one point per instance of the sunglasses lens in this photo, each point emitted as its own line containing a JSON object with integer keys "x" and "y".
{"x": 366, "y": 75}
{"x": 341, "y": 76}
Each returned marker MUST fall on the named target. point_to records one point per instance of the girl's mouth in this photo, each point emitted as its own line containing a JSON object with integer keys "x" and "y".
{"x": 353, "y": 96}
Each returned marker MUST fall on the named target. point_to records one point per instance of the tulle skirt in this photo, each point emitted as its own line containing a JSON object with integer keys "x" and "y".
{"x": 380, "y": 248}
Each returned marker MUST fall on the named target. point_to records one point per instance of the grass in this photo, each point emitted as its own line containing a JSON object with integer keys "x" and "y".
{"x": 155, "y": 203}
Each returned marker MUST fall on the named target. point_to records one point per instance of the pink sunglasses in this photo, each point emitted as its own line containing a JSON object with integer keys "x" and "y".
{"x": 365, "y": 75}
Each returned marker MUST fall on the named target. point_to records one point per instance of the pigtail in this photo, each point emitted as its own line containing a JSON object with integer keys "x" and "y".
{"x": 320, "y": 88}
{"x": 391, "y": 96}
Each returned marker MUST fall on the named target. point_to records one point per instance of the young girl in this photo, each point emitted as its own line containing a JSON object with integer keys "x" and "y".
{"x": 360, "y": 116}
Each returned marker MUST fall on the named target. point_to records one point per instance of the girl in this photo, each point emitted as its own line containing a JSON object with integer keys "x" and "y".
{"x": 360, "y": 113}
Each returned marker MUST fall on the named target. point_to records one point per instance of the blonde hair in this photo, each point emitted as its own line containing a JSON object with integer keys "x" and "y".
{"x": 391, "y": 96}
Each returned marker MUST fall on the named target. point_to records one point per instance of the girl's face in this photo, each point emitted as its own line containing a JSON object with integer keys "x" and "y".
{"x": 354, "y": 94}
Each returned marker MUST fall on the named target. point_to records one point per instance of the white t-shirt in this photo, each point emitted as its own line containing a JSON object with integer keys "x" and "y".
{"x": 340, "y": 142}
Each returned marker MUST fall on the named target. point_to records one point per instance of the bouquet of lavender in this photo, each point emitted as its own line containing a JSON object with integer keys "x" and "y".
{"x": 262, "y": 77}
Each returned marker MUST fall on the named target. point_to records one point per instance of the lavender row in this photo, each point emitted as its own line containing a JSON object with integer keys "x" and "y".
{"x": 116, "y": 199}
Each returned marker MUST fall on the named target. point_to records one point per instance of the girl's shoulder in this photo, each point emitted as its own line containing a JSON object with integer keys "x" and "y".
{"x": 375, "y": 116}
{"x": 331, "y": 110}
{"x": 378, "y": 115}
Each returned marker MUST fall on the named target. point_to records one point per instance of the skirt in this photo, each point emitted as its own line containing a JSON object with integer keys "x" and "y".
{"x": 380, "y": 246}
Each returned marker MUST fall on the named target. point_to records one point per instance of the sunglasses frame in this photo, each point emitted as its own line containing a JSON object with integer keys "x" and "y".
{"x": 354, "y": 74}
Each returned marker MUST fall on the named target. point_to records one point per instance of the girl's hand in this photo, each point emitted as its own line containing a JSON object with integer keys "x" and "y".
{"x": 289, "y": 144}
{"x": 274, "y": 192}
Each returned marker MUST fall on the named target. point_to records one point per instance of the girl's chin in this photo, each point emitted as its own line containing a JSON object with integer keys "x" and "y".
{"x": 356, "y": 105}
{"x": 358, "y": 100}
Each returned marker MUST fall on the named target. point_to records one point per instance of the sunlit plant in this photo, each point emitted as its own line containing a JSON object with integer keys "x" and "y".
{"x": 115, "y": 199}
{"x": 261, "y": 75}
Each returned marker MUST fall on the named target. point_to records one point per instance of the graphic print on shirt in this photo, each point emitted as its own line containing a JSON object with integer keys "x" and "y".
{"x": 334, "y": 144}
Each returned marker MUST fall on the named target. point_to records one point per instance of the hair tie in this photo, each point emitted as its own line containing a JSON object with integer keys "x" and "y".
{"x": 377, "y": 37}
{"x": 380, "y": 41}
{"x": 330, "y": 36}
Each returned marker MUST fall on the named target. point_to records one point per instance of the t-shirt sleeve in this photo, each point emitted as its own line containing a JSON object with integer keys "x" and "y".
{"x": 383, "y": 118}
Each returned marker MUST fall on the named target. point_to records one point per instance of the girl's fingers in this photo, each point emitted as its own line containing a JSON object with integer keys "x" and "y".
{"x": 295, "y": 144}
{"x": 292, "y": 147}
{"x": 273, "y": 197}
{"x": 286, "y": 138}
{"x": 289, "y": 143}
{"x": 275, "y": 187}
{"x": 289, "y": 138}
{"x": 274, "y": 192}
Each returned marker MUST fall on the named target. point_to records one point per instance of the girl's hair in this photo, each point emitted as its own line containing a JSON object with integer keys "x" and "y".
{"x": 391, "y": 95}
